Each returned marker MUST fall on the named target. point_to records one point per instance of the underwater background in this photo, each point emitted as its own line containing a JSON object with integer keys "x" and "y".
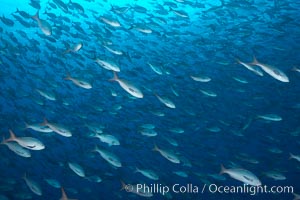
{"x": 148, "y": 92}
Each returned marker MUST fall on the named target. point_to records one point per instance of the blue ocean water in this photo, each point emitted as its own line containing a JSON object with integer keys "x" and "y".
{"x": 187, "y": 97}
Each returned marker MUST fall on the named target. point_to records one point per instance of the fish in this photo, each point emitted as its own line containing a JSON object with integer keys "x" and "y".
{"x": 166, "y": 101}
{"x": 272, "y": 71}
{"x": 141, "y": 29}
{"x": 33, "y": 185}
{"x": 296, "y": 157}
{"x": 75, "y": 48}
{"x": 176, "y": 130}
{"x": 179, "y": 13}
{"x": 26, "y": 142}
{"x": 47, "y": 95}
{"x": 38, "y": 128}
{"x": 270, "y": 117}
{"x": 57, "y": 128}
{"x": 17, "y": 149}
{"x": 128, "y": 86}
{"x": 147, "y": 126}
{"x": 275, "y": 175}
{"x": 119, "y": 10}
{"x": 147, "y": 132}
{"x": 116, "y": 52}
{"x": 76, "y": 6}
{"x": 208, "y": 93}
{"x": 53, "y": 182}
{"x": 203, "y": 79}
{"x": 77, "y": 169}
{"x": 156, "y": 68}
{"x": 78, "y": 82}
{"x": 168, "y": 155}
{"x": 109, "y": 65}
{"x": 7, "y": 21}
{"x": 242, "y": 175}
{"x": 108, "y": 139}
{"x": 111, "y": 22}
{"x": 148, "y": 173}
{"x": 61, "y": 5}
{"x": 43, "y": 24}
{"x": 181, "y": 174}
{"x": 296, "y": 69}
{"x": 110, "y": 157}
{"x": 95, "y": 179}
{"x": 135, "y": 190}
{"x": 251, "y": 68}
{"x": 240, "y": 80}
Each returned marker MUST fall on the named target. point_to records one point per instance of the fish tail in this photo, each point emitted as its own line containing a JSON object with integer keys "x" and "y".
{"x": 68, "y": 77}
{"x": 115, "y": 78}
{"x": 291, "y": 156}
{"x": 12, "y": 136}
{"x": 45, "y": 122}
{"x": 254, "y": 61}
{"x": 66, "y": 51}
{"x": 123, "y": 185}
{"x": 26, "y": 125}
{"x": 36, "y": 16}
{"x": 223, "y": 169}
{"x": 111, "y": 7}
{"x": 155, "y": 148}
{"x": 237, "y": 60}
{"x": 95, "y": 149}
{"x": 136, "y": 170}
{"x": 63, "y": 194}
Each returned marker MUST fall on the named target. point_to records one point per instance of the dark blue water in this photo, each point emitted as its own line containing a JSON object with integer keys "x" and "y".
{"x": 186, "y": 52}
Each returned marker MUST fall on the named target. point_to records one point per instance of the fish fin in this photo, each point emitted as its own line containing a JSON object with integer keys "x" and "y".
{"x": 95, "y": 149}
{"x": 254, "y": 61}
{"x": 223, "y": 169}
{"x": 136, "y": 170}
{"x": 63, "y": 194}
{"x": 68, "y": 77}
{"x": 45, "y": 122}
{"x": 111, "y": 7}
{"x": 36, "y": 16}
{"x": 12, "y": 136}
{"x": 155, "y": 148}
{"x": 294, "y": 69}
{"x": 26, "y": 125}
{"x": 123, "y": 185}
{"x": 115, "y": 78}
{"x": 237, "y": 60}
